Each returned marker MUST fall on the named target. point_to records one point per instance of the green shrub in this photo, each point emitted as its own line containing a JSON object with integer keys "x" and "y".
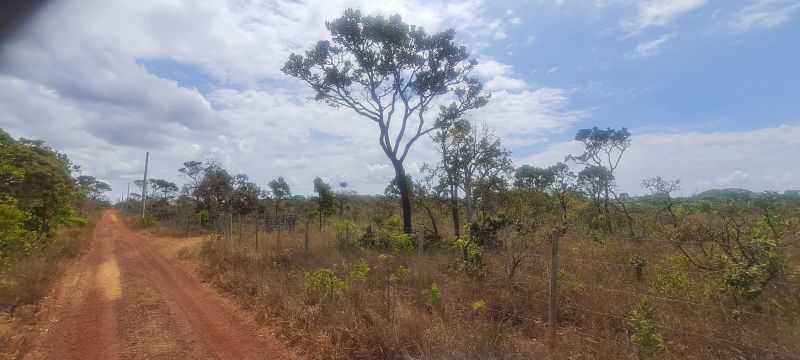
{"x": 672, "y": 280}
{"x": 394, "y": 224}
{"x": 358, "y": 270}
{"x": 643, "y": 333}
{"x": 346, "y": 232}
{"x": 436, "y": 295}
{"x": 204, "y": 217}
{"x": 402, "y": 273}
{"x": 479, "y": 305}
{"x": 324, "y": 283}
{"x": 401, "y": 242}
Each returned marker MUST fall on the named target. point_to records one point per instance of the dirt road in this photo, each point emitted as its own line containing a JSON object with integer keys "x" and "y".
{"x": 125, "y": 300}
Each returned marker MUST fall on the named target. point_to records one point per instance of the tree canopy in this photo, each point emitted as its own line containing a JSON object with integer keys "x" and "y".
{"x": 390, "y": 72}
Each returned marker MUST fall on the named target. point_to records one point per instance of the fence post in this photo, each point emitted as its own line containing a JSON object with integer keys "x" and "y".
{"x": 257, "y": 220}
{"x": 278, "y": 242}
{"x": 306, "y": 243}
{"x": 230, "y": 227}
{"x": 420, "y": 238}
{"x": 555, "y": 234}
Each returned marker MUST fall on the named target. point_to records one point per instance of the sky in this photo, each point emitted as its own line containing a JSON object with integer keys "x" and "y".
{"x": 709, "y": 89}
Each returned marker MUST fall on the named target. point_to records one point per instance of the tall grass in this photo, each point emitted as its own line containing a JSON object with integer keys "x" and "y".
{"x": 495, "y": 312}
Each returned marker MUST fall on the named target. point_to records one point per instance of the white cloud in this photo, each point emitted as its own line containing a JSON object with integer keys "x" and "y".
{"x": 654, "y": 13}
{"x": 523, "y": 118}
{"x": 503, "y": 83}
{"x": 652, "y": 47}
{"x": 759, "y": 159}
{"x": 764, "y": 14}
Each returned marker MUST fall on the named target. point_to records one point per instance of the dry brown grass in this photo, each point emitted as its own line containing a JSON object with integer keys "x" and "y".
{"x": 30, "y": 280}
{"x": 598, "y": 291}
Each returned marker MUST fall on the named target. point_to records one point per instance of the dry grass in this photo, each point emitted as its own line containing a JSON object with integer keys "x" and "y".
{"x": 30, "y": 280}
{"x": 598, "y": 291}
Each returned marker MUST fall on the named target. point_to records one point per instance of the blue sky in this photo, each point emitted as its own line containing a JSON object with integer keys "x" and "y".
{"x": 709, "y": 88}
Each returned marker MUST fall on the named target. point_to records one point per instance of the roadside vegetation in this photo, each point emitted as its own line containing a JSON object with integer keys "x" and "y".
{"x": 47, "y": 211}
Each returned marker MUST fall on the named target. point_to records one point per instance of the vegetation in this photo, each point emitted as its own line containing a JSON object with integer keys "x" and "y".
{"x": 713, "y": 275}
{"x": 45, "y": 204}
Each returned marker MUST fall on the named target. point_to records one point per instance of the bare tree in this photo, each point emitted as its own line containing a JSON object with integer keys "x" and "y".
{"x": 663, "y": 189}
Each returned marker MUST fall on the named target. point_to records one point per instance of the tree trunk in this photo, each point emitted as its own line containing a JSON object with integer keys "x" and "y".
{"x": 607, "y": 212}
{"x": 454, "y": 209}
{"x": 468, "y": 196}
{"x": 405, "y": 199}
{"x": 433, "y": 220}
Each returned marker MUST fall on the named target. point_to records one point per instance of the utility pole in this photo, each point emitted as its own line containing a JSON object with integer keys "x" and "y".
{"x": 144, "y": 186}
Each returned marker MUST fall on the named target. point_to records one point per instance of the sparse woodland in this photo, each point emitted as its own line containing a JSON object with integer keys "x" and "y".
{"x": 457, "y": 262}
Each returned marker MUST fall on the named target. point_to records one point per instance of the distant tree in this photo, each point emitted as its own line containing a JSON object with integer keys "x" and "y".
{"x": 766, "y": 202}
{"x": 603, "y": 148}
{"x": 390, "y": 72}
{"x": 167, "y": 189}
{"x": 663, "y": 189}
{"x": 470, "y": 157}
{"x": 280, "y": 190}
{"x": 192, "y": 172}
{"x": 593, "y": 181}
{"x": 245, "y": 195}
{"x": 343, "y": 196}
{"x": 93, "y": 188}
{"x": 214, "y": 190}
{"x": 325, "y": 201}
{"x": 563, "y": 183}
{"x": 527, "y": 176}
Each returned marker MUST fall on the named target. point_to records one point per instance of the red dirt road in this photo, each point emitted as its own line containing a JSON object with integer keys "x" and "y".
{"x": 125, "y": 300}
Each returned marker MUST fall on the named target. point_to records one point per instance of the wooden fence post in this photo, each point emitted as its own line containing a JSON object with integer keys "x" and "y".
{"x": 306, "y": 243}
{"x": 278, "y": 242}
{"x": 230, "y": 227}
{"x": 555, "y": 234}
{"x": 420, "y": 238}
{"x": 257, "y": 220}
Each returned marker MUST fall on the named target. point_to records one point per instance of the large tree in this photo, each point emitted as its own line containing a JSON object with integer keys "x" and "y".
{"x": 280, "y": 190}
{"x": 603, "y": 148}
{"x": 391, "y": 73}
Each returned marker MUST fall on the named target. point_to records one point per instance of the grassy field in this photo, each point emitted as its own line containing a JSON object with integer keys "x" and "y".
{"x": 617, "y": 298}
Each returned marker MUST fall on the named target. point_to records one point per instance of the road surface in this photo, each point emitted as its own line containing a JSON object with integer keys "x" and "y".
{"x": 124, "y": 299}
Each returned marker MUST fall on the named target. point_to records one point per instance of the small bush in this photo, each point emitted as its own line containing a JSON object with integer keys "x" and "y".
{"x": 436, "y": 295}
{"x": 643, "y": 332}
{"x": 479, "y": 305}
{"x": 324, "y": 283}
{"x": 401, "y": 242}
{"x": 146, "y": 221}
{"x": 358, "y": 270}
{"x": 346, "y": 233}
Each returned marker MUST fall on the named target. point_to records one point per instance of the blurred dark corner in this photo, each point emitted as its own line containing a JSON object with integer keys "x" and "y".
{"x": 14, "y": 14}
